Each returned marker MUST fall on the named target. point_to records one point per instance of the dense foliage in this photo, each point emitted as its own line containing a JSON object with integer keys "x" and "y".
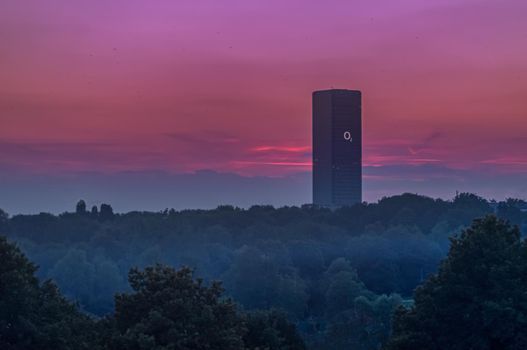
{"x": 478, "y": 298}
{"x": 167, "y": 310}
{"x": 34, "y": 315}
{"x": 170, "y": 309}
{"x": 338, "y": 275}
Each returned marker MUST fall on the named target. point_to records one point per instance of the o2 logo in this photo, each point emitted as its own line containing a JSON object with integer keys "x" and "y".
{"x": 347, "y": 136}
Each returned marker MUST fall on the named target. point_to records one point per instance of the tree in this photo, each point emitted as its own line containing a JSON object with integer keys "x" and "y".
{"x": 168, "y": 309}
{"x": 356, "y": 317}
{"x": 271, "y": 330}
{"x": 91, "y": 282}
{"x": 75, "y": 274}
{"x": 365, "y": 326}
{"x": 34, "y": 315}
{"x": 106, "y": 212}
{"x": 465, "y": 207}
{"x": 343, "y": 287}
{"x": 94, "y": 211}
{"x": 511, "y": 210}
{"x": 4, "y": 221}
{"x": 257, "y": 280}
{"x": 81, "y": 207}
{"x": 477, "y": 299}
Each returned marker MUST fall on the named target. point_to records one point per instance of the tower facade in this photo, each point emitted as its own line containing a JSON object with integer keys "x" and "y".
{"x": 337, "y": 148}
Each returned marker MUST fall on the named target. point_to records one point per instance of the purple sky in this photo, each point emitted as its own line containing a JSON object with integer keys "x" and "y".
{"x": 173, "y": 87}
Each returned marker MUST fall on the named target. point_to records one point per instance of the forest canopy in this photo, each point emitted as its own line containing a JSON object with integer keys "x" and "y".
{"x": 328, "y": 271}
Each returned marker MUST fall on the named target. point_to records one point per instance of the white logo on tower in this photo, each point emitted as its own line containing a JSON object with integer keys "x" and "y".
{"x": 347, "y": 136}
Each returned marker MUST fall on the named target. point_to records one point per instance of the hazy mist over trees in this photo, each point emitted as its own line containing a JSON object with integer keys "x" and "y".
{"x": 333, "y": 277}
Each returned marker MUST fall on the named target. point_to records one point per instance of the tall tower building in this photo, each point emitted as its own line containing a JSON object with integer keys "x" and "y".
{"x": 337, "y": 148}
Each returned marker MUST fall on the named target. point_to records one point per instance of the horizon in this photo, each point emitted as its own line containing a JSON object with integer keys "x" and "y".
{"x": 100, "y": 189}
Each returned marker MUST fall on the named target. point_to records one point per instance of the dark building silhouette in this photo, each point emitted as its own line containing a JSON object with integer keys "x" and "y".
{"x": 337, "y": 148}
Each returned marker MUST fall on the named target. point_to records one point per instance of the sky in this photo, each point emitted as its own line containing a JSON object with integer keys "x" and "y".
{"x": 94, "y": 93}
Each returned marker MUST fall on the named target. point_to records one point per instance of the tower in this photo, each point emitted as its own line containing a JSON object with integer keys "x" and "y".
{"x": 337, "y": 148}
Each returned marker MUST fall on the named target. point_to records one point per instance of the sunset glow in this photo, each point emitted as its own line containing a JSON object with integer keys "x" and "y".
{"x": 112, "y": 86}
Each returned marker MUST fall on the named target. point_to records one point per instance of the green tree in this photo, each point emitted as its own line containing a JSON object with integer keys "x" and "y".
{"x": 477, "y": 300}
{"x": 356, "y": 317}
{"x": 258, "y": 281}
{"x": 92, "y": 283}
{"x": 465, "y": 207}
{"x": 94, "y": 211}
{"x": 168, "y": 309}
{"x": 365, "y": 326}
{"x": 510, "y": 210}
{"x": 75, "y": 275}
{"x": 80, "y": 207}
{"x": 4, "y": 222}
{"x": 34, "y": 315}
{"x": 271, "y": 330}
{"x": 106, "y": 212}
{"x": 343, "y": 287}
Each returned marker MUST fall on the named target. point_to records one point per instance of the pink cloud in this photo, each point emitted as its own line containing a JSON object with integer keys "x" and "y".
{"x": 180, "y": 86}
{"x": 282, "y": 149}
